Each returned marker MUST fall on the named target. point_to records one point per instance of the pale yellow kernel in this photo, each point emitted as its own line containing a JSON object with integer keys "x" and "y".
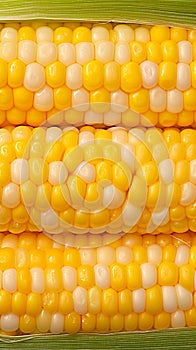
{"x": 10, "y": 195}
{"x": 185, "y": 51}
{"x": 80, "y": 100}
{"x": 66, "y": 53}
{"x": 44, "y": 33}
{"x": 34, "y": 78}
{"x": 122, "y": 53}
{"x": 46, "y": 53}
{"x": 74, "y": 76}
{"x": 43, "y": 99}
{"x": 157, "y": 99}
{"x": 169, "y": 299}
{"x": 27, "y": 51}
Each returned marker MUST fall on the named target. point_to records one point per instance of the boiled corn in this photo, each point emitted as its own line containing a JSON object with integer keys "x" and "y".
{"x": 92, "y": 180}
{"x": 47, "y": 69}
{"x": 138, "y": 283}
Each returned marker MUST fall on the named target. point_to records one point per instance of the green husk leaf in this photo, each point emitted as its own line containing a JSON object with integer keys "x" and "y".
{"x": 167, "y": 339}
{"x": 171, "y": 12}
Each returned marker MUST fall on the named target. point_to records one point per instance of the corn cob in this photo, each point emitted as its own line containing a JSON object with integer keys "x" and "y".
{"x": 92, "y": 180}
{"x": 147, "y": 74}
{"x": 138, "y": 283}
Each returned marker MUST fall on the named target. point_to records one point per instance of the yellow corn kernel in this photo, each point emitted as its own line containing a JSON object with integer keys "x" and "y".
{"x": 125, "y": 302}
{"x": 139, "y": 101}
{"x": 137, "y": 198}
{"x": 103, "y": 171}
{"x": 109, "y": 302}
{"x": 72, "y": 158}
{"x": 62, "y": 97}
{"x": 35, "y": 118}
{"x": 80, "y": 34}
{"x": 121, "y": 176}
{"x": 116, "y": 323}
{"x": 60, "y": 197}
{"x": 92, "y": 194}
{"x": 169, "y": 253}
{"x": 72, "y": 257}
{"x": 140, "y": 254}
{"x": 6, "y": 258}
{"x": 134, "y": 278}
{"x": 24, "y": 280}
{"x": 167, "y": 75}
{"x": 81, "y": 219}
{"x": 182, "y": 171}
{"x": 93, "y": 75}
{"x": 16, "y": 116}
{"x": 99, "y": 219}
{"x": 190, "y": 317}
{"x": 37, "y": 258}
{"x": 117, "y": 277}
{"x": 3, "y": 73}
{"x": 168, "y": 119}
{"x": 88, "y": 323}
{"x": 167, "y": 274}
{"x": 19, "y": 301}
{"x": 62, "y": 35}
{"x": 16, "y": 71}
{"x": 55, "y": 74}
{"x": 178, "y": 34}
{"x": 177, "y": 213}
{"x": 160, "y": 33}
{"x": 131, "y": 322}
{"x": 142, "y": 153}
{"x": 94, "y": 300}
{"x": 26, "y": 33}
{"x": 162, "y": 320}
{"x": 102, "y": 325}
{"x": 50, "y": 301}
{"x": 169, "y": 51}
{"x": 145, "y": 321}
{"x": 43, "y": 242}
{"x": 53, "y": 280}
{"x": 70, "y": 139}
{"x": 5, "y": 302}
{"x": 23, "y": 98}
{"x": 154, "y": 302}
{"x": 100, "y": 100}
{"x": 85, "y": 276}
{"x": 186, "y": 277}
{"x": 130, "y": 77}
{"x": 177, "y": 152}
{"x": 157, "y": 195}
{"x": 34, "y": 304}
{"x": 150, "y": 172}
{"x": 72, "y": 323}
{"x": 6, "y": 98}
{"x": 77, "y": 189}
{"x": 5, "y": 173}
{"x": 191, "y": 152}
{"x": 27, "y": 324}
{"x": 154, "y": 53}
{"x": 54, "y": 258}
{"x": 189, "y": 100}
{"x": 65, "y": 302}
{"x": 67, "y": 217}
{"x": 179, "y": 226}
